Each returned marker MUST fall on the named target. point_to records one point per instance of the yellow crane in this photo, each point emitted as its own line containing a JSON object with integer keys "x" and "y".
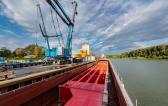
{"x": 81, "y": 54}
{"x": 36, "y": 50}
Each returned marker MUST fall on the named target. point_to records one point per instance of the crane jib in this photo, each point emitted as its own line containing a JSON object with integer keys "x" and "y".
{"x": 65, "y": 51}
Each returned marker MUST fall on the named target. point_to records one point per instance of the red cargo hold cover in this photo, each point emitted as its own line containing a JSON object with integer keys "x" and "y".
{"x": 87, "y": 88}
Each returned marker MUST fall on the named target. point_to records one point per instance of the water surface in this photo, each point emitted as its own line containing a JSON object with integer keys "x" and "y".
{"x": 145, "y": 80}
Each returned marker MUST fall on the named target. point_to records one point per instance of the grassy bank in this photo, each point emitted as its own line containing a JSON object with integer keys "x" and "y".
{"x": 139, "y": 58}
{"x": 151, "y": 53}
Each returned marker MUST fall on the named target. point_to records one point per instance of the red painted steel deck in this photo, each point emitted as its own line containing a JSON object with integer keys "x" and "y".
{"x": 44, "y": 92}
{"x": 87, "y": 88}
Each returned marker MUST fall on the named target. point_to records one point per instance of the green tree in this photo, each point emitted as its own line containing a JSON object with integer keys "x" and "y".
{"x": 5, "y": 52}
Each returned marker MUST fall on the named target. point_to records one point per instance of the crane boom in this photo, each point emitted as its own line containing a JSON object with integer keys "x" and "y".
{"x": 66, "y": 19}
{"x": 43, "y": 30}
{"x": 60, "y": 11}
{"x": 74, "y": 11}
{"x": 49, "y": 52}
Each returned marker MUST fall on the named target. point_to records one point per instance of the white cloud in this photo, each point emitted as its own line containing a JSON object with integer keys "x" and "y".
{"x": 124, "y": 24}
{"x": 139, "y": 45}
{"x": 79, "y": 41}
{"x": 22, "y": 12}
{"x": 37, "y": 35}
{"x": 141, "y": 23}
{"x": 10, "y": 42}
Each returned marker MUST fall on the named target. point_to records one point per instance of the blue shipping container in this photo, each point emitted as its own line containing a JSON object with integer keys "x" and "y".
{"x": 2, "y": 60}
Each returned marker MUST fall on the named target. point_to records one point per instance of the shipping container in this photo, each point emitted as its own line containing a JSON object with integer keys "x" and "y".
{"x": 2, "y": 60}
{"x": 60, "y": 51}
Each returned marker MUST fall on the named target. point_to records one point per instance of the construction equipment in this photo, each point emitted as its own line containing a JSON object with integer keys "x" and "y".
{"x": 36, "y": 48}
{"x": 36, "y": 51}
{"x": 2, "y": 60}
{"x": 85, "y": 51}
{"x": 85, "y": 54}
{"x": 60, "y": 53}
{"x": 80, "y": 54}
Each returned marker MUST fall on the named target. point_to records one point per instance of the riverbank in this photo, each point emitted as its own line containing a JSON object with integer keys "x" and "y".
{"x": 150, "y": 53}
{"x": 140, "y": 58}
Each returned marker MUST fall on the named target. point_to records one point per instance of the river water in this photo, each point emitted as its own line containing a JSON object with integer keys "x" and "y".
{"x": 145, "y": 80}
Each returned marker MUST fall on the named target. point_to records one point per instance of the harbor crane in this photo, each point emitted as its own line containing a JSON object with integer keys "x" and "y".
{"x": 61, "y": 54}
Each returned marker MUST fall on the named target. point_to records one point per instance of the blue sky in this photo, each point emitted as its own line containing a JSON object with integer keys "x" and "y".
{"x": 109, "y": 26}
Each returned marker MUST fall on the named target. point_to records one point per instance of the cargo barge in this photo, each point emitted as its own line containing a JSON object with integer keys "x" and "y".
{"x": 89, "y": 83}
{"x": 94, "y": 83}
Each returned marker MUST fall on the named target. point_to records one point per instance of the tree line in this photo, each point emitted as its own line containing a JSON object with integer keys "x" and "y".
{"x": 21, "y": 52}
{"x": 159, "y": 51}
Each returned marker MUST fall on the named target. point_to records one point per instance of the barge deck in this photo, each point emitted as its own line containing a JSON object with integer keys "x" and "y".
{"x": 92, "y": 84}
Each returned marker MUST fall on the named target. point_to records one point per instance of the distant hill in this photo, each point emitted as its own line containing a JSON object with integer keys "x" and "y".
{"x": 154, "y": 52}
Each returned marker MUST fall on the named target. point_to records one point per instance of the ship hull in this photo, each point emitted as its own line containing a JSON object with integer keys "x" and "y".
{"x": 46, "y": 90}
